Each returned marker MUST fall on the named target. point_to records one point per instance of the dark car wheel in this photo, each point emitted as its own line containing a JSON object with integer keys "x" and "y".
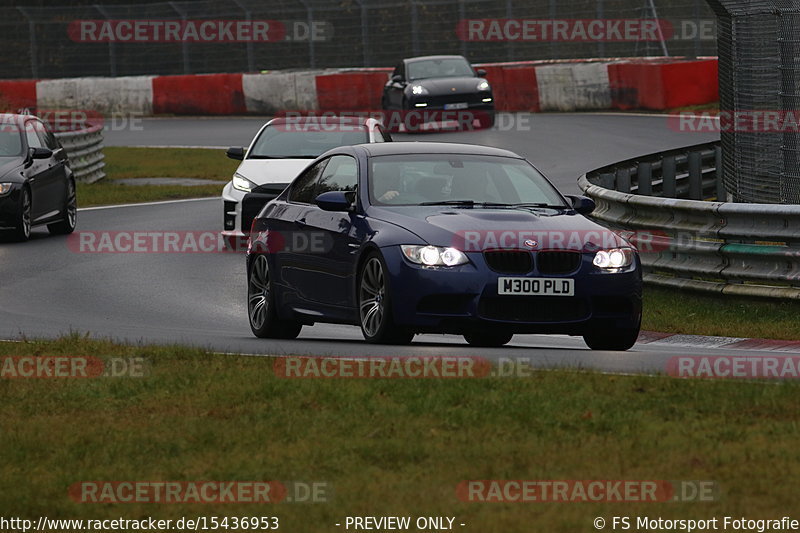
{"x": 67, "y": 225}
{"x": 611, "y": 339}
{"x": 374, "y": 305}
{"x": 488, "y": 340}
{"x": 261, "y": 310}
{"x": 22, "y": 228}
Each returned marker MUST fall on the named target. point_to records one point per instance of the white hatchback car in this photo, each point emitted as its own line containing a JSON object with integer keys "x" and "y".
{"x": 281, "y": 149}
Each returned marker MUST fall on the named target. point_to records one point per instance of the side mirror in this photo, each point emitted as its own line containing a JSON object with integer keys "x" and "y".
{"x": 397, "y": 78}
{"x": 333, "y": 201}
{"x": 481, "y": 72}
{"x": 235, "y": 152}
{"x": 40, "y": 153}
{"x": 581, "y": 204}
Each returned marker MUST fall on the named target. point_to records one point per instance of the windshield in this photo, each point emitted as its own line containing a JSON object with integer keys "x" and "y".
{"x": 283, "y": 141}
{"x": 10, "y": 141}
{"x": 440, "y": 68}
{"x": 439, "y": 179}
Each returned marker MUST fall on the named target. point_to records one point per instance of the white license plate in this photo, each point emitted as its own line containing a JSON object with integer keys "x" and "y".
{"x": 460, "y": 105}
{"x": 536, "y": 286}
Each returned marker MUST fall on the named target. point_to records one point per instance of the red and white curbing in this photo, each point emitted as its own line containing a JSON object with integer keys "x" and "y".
{"x": 650, "y": 83}
{"x": 728, "y": 343}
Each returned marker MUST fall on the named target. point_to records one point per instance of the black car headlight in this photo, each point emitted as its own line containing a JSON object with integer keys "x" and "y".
{"x": 614, "y": 259}
{"x": 419, "y": 90}
{"x": 434, "y": 255}
{"x": 483, "y": 85}
{"x": 5, "y": 188}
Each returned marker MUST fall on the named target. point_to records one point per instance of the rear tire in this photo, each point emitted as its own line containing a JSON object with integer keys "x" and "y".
{"x": 375, "y": 305}
{"x": 261, "y": 311}
{"x": 67, "y": 225}
{"x": 488, "y": 340}
{"x": 22, "y": 227}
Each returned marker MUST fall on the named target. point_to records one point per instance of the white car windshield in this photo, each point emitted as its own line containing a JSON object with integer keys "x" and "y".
{"x": 301, "y": 141}
{"x": 10, "y": 142}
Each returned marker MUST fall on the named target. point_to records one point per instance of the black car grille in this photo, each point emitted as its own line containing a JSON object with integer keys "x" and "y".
{"x": 509, "y": 261}
{"x": 558, "y": 262}
{"x": 533, "y": 309}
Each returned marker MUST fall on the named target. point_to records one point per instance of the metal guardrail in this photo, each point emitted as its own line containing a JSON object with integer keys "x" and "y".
{"x": 84, "y": 150}
{"x": 686, "y": 242}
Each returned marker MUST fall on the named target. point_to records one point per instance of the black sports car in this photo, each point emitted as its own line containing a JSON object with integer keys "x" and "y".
{"x": 438, "y": 88}
{"x": 36, "y": 183}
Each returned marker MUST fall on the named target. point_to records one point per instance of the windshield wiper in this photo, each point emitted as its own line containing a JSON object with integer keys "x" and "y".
{"x": 542, "y": 205}
{"x": 473, "y": 203}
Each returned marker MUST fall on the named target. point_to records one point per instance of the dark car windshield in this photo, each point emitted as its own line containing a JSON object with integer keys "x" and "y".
{"x": 10, "y": 141}
{"x": 298, "y": 140}
{"x": 442, "y": 179}
{"x": 440, "y": 68}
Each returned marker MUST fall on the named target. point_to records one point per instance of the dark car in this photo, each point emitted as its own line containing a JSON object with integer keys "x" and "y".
{"x": 36, "y": 183}
{"x": 406, "y": 238}
{"x": 438, "y": 88}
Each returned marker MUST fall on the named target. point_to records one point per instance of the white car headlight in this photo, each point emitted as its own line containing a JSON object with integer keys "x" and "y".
{"x": 418, "y": 90}
{"x": 434, "y": 255}
{"x": 243, "y": 184}
{"x": 613, "y": 259}
{"x": 5, "y": 188}
{"x": 483, "y": 85}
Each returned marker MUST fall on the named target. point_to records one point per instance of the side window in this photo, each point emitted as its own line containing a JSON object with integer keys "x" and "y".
{"x": 33, "y": 139}
{"x": 385, "y": 134}
{"x": 304, "y": 186}
{"x": 341, "y": 174}
{"x": 47, "y": 137}
{"x": 399, "y": 71}
{"x": 377, "y": 135}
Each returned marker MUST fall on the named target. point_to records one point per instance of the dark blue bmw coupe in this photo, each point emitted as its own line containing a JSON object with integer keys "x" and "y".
{"x": 407, "y": 238}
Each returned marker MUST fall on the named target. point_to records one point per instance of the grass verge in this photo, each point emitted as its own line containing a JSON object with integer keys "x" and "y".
{"x": 128, "y": 163}
{"x": 389, "y": 447}
{"x": 695, "y": 313}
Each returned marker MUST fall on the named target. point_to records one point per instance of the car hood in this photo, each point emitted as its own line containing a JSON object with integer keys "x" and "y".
{"x": 479, "y": 229}
{"x": 9, "y": 167}
{"x": 448, "y": 85}
{"x": 261, "y": 171}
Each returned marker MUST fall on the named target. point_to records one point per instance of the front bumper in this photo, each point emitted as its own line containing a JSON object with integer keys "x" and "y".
{"x": 460, "y": 299}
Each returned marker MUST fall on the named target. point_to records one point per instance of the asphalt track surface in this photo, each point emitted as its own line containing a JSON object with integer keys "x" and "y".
{"x": 47, "y": 290}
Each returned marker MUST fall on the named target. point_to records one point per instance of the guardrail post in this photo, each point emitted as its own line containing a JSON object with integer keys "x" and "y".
{"x": 644, "y": 179}
{"x": 695, "y": 176}
{"x": 624, "y": 180}
{"x": 669, "y": 186}
{"x": 722, "y": 193}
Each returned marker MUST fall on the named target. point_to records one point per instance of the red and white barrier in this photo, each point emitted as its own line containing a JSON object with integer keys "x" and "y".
{"x": 655, "y": 83}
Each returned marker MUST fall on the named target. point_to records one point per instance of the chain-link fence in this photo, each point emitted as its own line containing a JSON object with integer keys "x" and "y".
{"x": 45, "y": 41}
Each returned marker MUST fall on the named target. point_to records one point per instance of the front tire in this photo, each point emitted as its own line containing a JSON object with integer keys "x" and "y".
{"x": 22, "y": 227}
{"x": 261, "y": 311}
{"x": 488, "y": 340}
{"x": 611, "y": 339}
{"x": 67, "y": 225}
{"x": 375, "y": 305}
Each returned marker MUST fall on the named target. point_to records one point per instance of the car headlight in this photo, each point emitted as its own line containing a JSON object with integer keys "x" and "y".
{"x": 5, "y": 188}
{"x": 243, "y": 184}
{"x": 434, "y": 255}
{"x": 484, "y": 85}
{"x": 613, "y": 259}
{"x": 418, "y": 90}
